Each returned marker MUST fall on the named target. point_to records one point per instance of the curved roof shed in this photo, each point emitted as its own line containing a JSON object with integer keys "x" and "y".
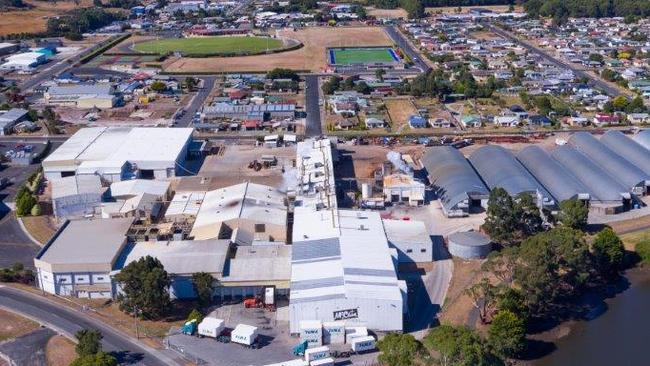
{"x": 619, "y": 168}
{"x": 643, "y": 138}
{"x": 604, "y": 187}
{"x": 555, "y": 178}
{"x": 499, "y": 168}
{"x": 629, "y": 149}
{"x": 452, "y": 177}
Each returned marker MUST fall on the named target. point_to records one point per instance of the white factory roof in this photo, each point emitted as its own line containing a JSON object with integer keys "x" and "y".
{"x": 135, "y": 187}
{"x": 74, "y": 185}
{"x": 29, "y": 57}
{"x": 180, "y": 256}
{"x": 314, "y": 161}
{"x": 406, "y": 231}
{"x": 71, "y": 248}
{"x": 81, "y": 89}
{"x": 249, "y": 201}
{"x": 149, "y": 148}
{"x": 185, "y": 203}
{"x": 356, "y": 263}
{"x": 256, "y": 263}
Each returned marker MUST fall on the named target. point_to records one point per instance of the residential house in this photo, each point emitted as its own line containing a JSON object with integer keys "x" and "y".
{"x": 416, "y": 121}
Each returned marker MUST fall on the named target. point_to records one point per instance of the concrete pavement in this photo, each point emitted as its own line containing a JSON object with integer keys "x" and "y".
{"x": 312, "y": 106}
{"x": 197, "y": 102}
{"x": 406, "y": 46}
{"x": 68, "y": 322}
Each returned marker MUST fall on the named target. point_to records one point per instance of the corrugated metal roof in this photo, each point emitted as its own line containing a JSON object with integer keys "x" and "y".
{"x": 452, "y": 176}
{"x": 619, "y": 168}
{"x": 643, "y": 138}
{"x": 499, "y": 168}
{"x": 628, "y": 149}
{"x": 557, "y": 180}
{"x": 603, "y": 186}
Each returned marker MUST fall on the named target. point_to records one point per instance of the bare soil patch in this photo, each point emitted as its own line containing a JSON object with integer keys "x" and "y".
{"x": 35, "y": 19}
{"x": 59, "y": 351}
{"x": 13, "y": 325}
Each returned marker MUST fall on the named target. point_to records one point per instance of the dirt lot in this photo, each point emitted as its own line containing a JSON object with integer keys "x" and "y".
{"x": 310, "y": 57}
{"x": 399, "y": 111}
{"x": 35, "y": 19}
{"x": 12, "y": 325}
{"x": 386, "y": 13}
{"x": 365, "y": 159}
{"x": 232, "y": 166}
{"x": 59, "y": 351}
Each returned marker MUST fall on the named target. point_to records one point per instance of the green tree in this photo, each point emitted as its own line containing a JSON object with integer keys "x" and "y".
{"x": 552, "y": 265}
{"x": 88, "y": 342}
{"x": 513, "y": 300}
{"x": 636, "y": 105}
{"x": 98, "y": 359}
{"x": 507, "y": 334}
{"x": 203, "y": 284}
{"x": 195, "y": 314}
{"x": 145, "y": 288}
{"x": 459, "y": 346}
{"x": 643, "y": 250}
{"x": 502, "y": 263}
{"x": 608, "y": 251}
{"x": 158, "y": 86}
{"x": 398, "y": 349}
{"x": 528, "y": 215}
{"x": 484, "y": 298}
{"x": 501, "y": 224}
{"x": 379, "y": 74}
{"x": 574, "y": 213}
{"x": 620, "y": 103}
{"x": 280, "y": 73}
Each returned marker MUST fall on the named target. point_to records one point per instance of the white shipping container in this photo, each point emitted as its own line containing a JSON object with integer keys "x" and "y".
{"x": 244, "y": 334}
{"x": 354, "y": 332}
{"x": 334, "y": 332}
{"x": 211, "y": 327}
{"x": 323, "y": 362}
{"x": 311, "y": 331}
{"x": 318, "y": 353}
{"x": 361, "y": 344}
{"x": 297, "y": 362}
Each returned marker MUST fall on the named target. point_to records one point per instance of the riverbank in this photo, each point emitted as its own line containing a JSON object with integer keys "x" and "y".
{"x": 614, "y": 333}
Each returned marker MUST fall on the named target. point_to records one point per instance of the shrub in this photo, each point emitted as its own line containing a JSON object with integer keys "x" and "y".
{"x": 643, "y": 250}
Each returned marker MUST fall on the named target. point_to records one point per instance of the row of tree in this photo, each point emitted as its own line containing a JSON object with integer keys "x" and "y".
{"x": 561, "y": 10}
{"x": 438, "y": 84}
{"x": 77, "y": 21}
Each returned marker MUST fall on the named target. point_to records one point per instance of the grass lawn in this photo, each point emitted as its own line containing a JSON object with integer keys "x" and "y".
{"x": 209, "y": 45}
{"x": 632, "y": 239}
{"x": 362, "y": 55}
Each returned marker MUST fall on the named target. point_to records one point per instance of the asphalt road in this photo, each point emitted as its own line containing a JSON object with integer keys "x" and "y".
{"x": 69, "y": 322}
{"x": 402, "y": 43}
{"x": 599, "y": 84}
{"x": 312, "y": 106}
{"x": 197, "y": 102}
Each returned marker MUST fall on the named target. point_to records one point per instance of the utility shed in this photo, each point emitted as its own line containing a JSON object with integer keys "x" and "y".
{"x": 627, "y": 148}
{"x": 556, "y": 179}
{"x": 606, "y": 190}
{"x": 456, "y": 183}
{"x": 411, "y": 240}
{"x": 633, "y": 178}
{"x": 499, "y": 168}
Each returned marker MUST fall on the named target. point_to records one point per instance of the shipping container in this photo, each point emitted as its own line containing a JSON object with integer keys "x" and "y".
{"x": 334, "y": 332}
{"x": 354, "y": 332}
{"x": 362, "y": 344}
{"x": 323, "y": 362}
{"x": 244, "y": 334}
{"x": 318, "y": 353}
{"x": 311, "y": 331}
{"x": 211, "y": 327}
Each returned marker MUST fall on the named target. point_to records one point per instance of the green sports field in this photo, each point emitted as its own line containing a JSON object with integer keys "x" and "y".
{"x": 209, "y": 45}
{"x": 350, "y": 56}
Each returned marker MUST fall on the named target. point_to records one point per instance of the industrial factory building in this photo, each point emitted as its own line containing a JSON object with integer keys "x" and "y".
{"x": 342, "y": 267}
{"x": 121, "y": 153}
{"x": 455, "y": 182}
{"x": 500, "y": 169}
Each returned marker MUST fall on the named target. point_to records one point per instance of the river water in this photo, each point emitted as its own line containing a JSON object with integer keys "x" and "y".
{"x": 618, "y": 337}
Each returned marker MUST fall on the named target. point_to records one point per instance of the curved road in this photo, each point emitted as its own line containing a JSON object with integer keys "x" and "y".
{"x": 67, "y": 321}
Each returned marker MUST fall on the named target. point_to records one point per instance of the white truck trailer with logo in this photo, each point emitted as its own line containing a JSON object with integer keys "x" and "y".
{"x": 317, "y": 353}
{"x": 363, "y": 344}
{"x": 244, "y": 334}
{"x": 211, "y": 327}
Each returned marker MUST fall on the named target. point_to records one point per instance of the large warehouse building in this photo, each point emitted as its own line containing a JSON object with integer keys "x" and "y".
{"x": 119, "y": 153}
{"x": 632, "y": 177}
{"x": 556, "y": 179}
{"x": 457, "y": 185}
{"x": 628, "y": 149}
{"x": 499, "y": 168}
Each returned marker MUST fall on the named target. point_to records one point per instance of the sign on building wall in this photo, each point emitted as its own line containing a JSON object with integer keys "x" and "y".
{"x": 346, "y": 314}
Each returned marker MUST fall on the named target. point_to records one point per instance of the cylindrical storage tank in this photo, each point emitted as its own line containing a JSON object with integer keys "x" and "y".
{"x": 365, "y": 191}
{"x": 469, "y": 245}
